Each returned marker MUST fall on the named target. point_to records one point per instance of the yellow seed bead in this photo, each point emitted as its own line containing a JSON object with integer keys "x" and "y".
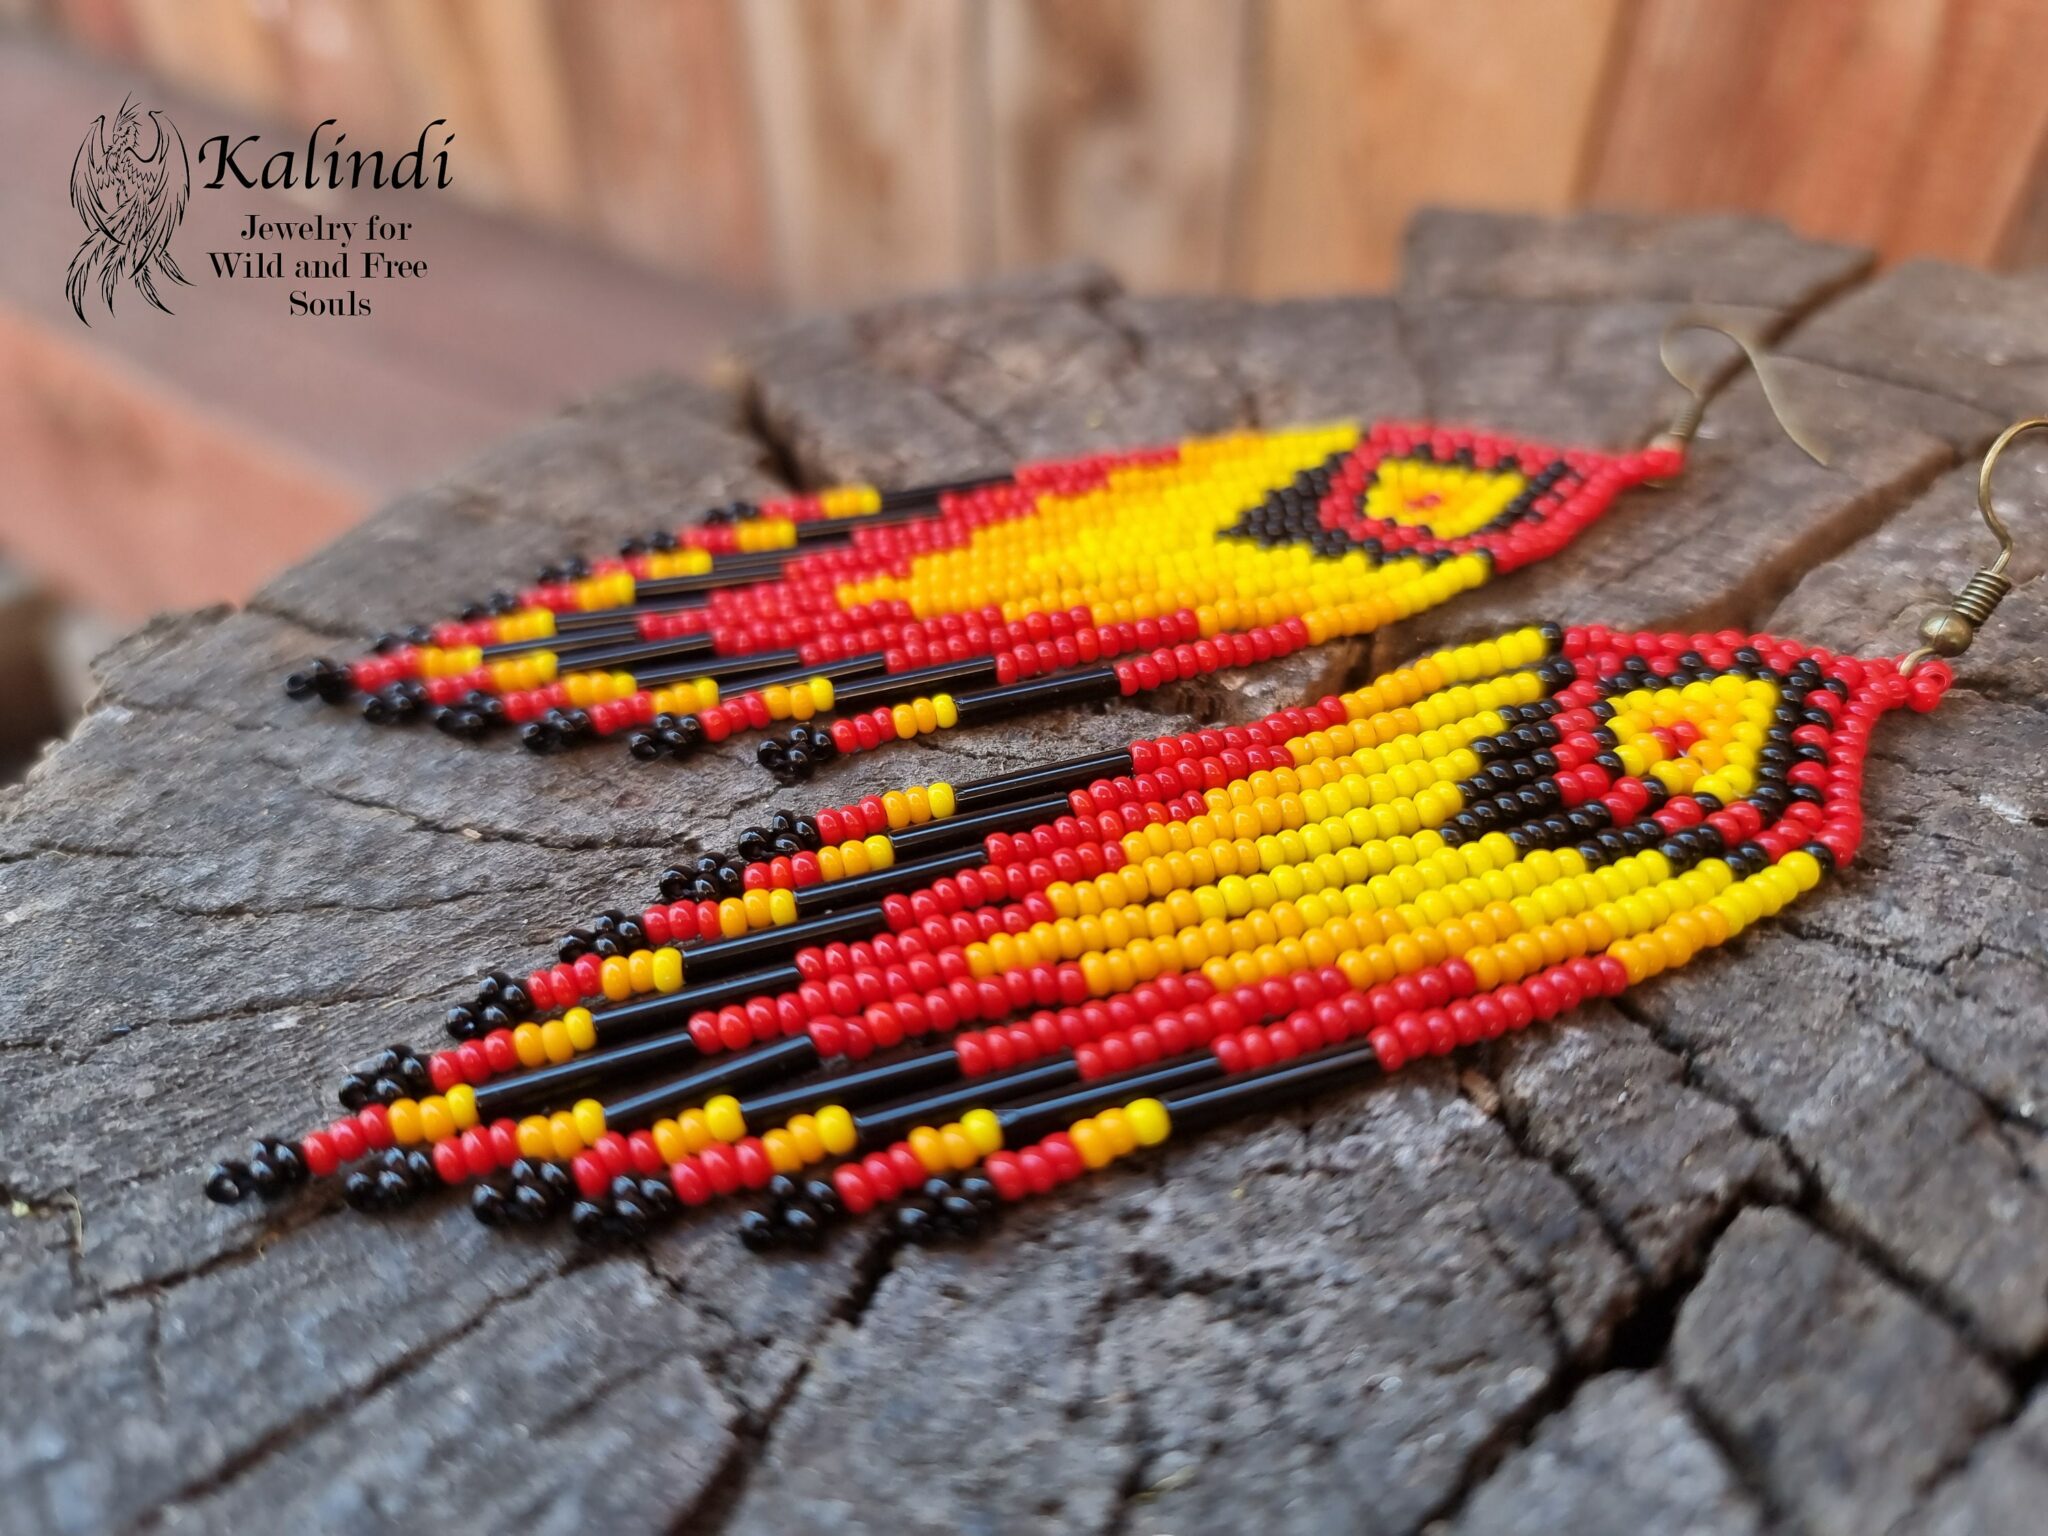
{"x": 615, "y": 977}
{"x": 929, "y": 1148}
{"x": 668, "y": 1141}
{"x": 782, "y": 908}
{"x": 582, "y": 1029}
{"x": 880, "y": 851}
{"x": 526, "y": 1044}
{"x": 554, "y": 1039}
{"x": 461, "y": 1101}
{"x": 959, "y": 1148}
{"x": 436, "y": 1124}
{"x": 984, "y": 1130}
{"x": 640, "y": 970}
{"x": 562, "y": 1132}
{"x": 836, "y": 1130}
{"x": 1089, "y": 1141}
{"x": 732, "y": 917}
{"x": 941, "y": 797}
{"x": 404, "y": 1119}
{"x": 1117, "y": 1131}
{"x": 668, "y": 970}
{"x": 781, "y": 1149}
{"x": 1149, "y": 1121}
{"x": 723, "y": 1119}
{"x": 696, "y": 1130}
{"x": 534, "y": 1137}
{"x": 803, "y": 1134}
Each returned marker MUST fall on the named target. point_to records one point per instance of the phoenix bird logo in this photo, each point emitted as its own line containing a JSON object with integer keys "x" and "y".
{"x": 131, "y": 204}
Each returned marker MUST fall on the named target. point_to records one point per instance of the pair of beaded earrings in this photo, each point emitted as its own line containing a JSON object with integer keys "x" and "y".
{"x": 954, "y": 996}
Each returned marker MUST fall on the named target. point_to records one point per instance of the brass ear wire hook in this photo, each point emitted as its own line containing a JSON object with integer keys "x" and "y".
{"x": 1949, "y": 632}
{"x": 1687, "y": 422}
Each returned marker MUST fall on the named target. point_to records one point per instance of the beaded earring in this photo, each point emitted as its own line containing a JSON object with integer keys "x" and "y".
{"x": 915, "y": 611}
{"x": 1129, "y": 946}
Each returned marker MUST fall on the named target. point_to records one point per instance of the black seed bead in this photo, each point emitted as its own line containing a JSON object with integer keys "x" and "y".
{"x": 354, "y": 1093}
{"x": 657, "y": 1197}
{"x": 589, "y": 1220}
{"x": 359, "y": 1189}
{"x": 1823, "y": 855}
{"x": 494, "y": 1016}
{"x": 757, "y": 1230}
{"x": 624, "y": 1187}
{"x": 914, "y": 1223}
{"x": 529, "y": 1204}
{"x": 227, "y": 1183}
{"x": 289, "y": 1162}
{"x": 801, "y": 1227}
{"x": 420, "y": 1167}
{"x": 822, "y": 1197}
{"x": 487, "y": 1204}
{"x": 630, "y": 1219}
{"x": 960, "y": 1216}
{"x": 393, "y": 1189}
{"x": 418, "y": 1081}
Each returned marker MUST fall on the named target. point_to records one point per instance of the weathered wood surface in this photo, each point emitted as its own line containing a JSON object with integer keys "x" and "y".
{"x": 1765, "y": 1248}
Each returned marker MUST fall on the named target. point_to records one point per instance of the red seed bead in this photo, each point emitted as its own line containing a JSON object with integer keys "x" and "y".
{"x": 591, "y": 1175}
{"x": 687, "y": 1179}
{"x": 317, "y": 1149}
{"x": 856, "y": 1193}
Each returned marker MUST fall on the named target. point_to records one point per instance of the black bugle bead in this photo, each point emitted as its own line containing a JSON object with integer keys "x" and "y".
{"x": 641, "y": 1015}
{"x": 1197, "y": 1108}
{"x": 896, "y": 687}
{"x": 965, "y": 831}
{"x": 853, "y": 666}
{"x": 864, "y": 1085}
{"x": 1005, "y": 788}
{"x": 726, "y": 1074}
{"x": 1041, "y": 1116}
{"x": 614, "y": 628}
{"x": 880, "y": 1127}
{"x": 561, "y": 1082}
{"x": 1087, "y": 686}
{"x": 928, "y": 495}
{"x": 685, "y": 651}
{"x": 568, "y": 626}
{"x": 815, "y": 900}
{"x": 719, "y": 958}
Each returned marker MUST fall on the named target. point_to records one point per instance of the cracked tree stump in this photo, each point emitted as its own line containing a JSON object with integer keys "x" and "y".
{"x": 1762, "y": 1248}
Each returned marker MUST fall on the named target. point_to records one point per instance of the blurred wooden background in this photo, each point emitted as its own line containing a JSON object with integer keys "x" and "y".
{"x": 826, "y": 150}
